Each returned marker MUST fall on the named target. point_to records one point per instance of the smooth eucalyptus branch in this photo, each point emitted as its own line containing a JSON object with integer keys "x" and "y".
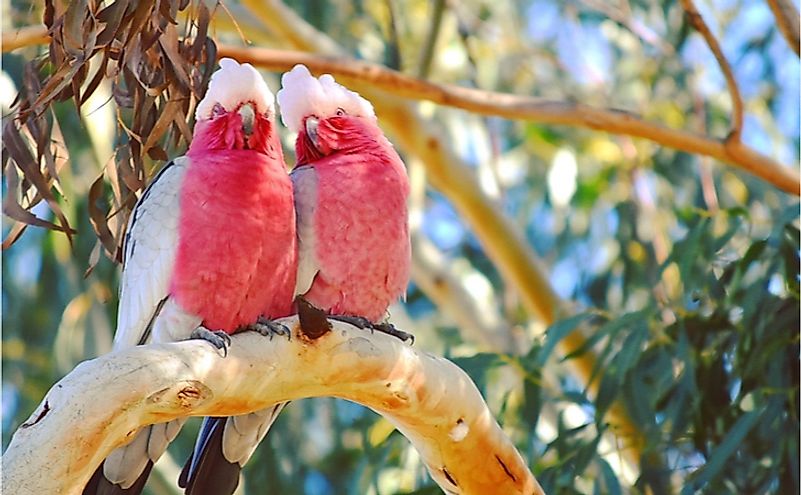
{"x": 104, "y": 401}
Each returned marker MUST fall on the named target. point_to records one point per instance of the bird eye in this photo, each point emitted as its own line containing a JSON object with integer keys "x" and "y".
{"x": 217, "y": 110}
{"x": 340, "y": 112}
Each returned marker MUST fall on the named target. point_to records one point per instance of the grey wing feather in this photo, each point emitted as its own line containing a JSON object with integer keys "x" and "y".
{"x": 304, "y": 182}
{"x": 223, "y": 446}
{"x": 151, "y": 242}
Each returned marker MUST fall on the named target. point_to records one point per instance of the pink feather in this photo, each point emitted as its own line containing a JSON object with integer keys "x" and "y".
{"x": 237, "y": 254}
{"x": 360, "y": 221}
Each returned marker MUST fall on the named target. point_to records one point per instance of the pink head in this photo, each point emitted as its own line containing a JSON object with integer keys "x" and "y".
{"x": 328, "y": 117}
{"x": 237, "y": 112}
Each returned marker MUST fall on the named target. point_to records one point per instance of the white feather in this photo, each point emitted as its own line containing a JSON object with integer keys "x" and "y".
{"x": 304, "y": 183}
{"x": 302, "y": 94}
{"x": 150, "y": 249}
{"x": 244, "y": 433}
{"x": 233, "y": 84}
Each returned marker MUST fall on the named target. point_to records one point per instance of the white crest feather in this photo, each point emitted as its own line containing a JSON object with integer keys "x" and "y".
{"x": 302, "y": 94}
{"x": 233, "y": 84}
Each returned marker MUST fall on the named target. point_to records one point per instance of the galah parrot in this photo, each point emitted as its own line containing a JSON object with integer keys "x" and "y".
{"x": 350, "y": 201}
{"x": 210, "y": 248}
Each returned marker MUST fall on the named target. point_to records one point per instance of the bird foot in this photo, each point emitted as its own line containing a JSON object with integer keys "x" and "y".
{"x": 217, "y": 338}
{"x": 313, "y": 321}
{"x": 269, "y": 328}
{"x": 356, "y": 321}
{"x": 389, "y": 329}
{"x": 365, "y": 324}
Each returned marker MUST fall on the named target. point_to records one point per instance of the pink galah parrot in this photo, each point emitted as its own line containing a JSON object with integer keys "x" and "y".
{"x": 210, "y": 248}
{"x": 350, "y": 199}
{"x": 353, "y": 236}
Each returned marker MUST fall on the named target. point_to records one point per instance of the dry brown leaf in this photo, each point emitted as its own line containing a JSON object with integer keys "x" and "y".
{"x": 157, "y": 75}
{"x": 97, "y": 216}
{"x": 14, "y": 210}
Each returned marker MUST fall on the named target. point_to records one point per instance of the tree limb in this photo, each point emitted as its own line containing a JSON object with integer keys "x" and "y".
{"x": 736, "y": 99}
{"x": 362, "y": 74}
{"x": 787, "y": 19}
{"x": 24, "y": 36}
{"x": 365, "y": 76}
{"x": 104, "y": 401}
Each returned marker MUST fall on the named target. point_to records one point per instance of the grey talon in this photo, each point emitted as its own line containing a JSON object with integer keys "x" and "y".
{"x": 218, "y": 338}
{"x": 270, "y": 328}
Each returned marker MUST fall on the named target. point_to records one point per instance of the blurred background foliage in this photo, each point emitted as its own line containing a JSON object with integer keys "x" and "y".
{"x": 683, "y": 272}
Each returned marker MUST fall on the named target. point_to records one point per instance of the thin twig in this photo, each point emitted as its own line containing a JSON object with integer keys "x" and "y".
{"x": 787, "y": 19}
{"x": 704, "y": 163}
{"x": 737, "y": 100}
{"x": 622, "y": 15}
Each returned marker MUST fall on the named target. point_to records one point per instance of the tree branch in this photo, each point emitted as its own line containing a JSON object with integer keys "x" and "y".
{"x": 362, "y": 74}
{"x": 737, "y": 100}
{"x": 366, "y": 76}
{"x": 24, "y": 36}
{"x": 787, "y": 18}
{"x": 104, "y": 401}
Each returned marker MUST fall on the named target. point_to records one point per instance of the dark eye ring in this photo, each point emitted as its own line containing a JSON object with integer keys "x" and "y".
{"x": 340, "y": 112}
{"x": 217, "y": 110}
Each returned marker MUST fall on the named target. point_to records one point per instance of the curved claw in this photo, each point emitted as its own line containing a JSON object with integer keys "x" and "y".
{"x": 357, "y": 321}
{"x": 217, "y": 338}
{"x": 270, "y": 328}
{"x": 365, "y": 324}
{"x": 389, "y": 329}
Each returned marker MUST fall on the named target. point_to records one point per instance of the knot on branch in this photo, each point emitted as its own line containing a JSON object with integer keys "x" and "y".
{"x": 183, "y": 395}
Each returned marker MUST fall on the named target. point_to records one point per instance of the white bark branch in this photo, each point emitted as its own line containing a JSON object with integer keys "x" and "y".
{"x": 104, "y": 401}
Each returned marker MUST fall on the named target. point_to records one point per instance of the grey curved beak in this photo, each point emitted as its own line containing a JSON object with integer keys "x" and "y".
{"x": 311, "y": 129}
{"x": 248, "y": 115}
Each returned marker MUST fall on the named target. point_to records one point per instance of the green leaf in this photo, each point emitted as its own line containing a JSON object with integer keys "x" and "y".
{"x": 611, "y": 485}
{"x": 720, "y": 454}
{"x": 689, "y": 251}
{"x": 631, "y": 349}
{"x": 789, "y": 251}
{"x": 585, "y": 455}
{"x": 532, "y": 403}
{"x": 754, "y": 251}
{"x": 607, "y": 392}
{"x": 611, "y": 329}
{"x": 556, "y": 333}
